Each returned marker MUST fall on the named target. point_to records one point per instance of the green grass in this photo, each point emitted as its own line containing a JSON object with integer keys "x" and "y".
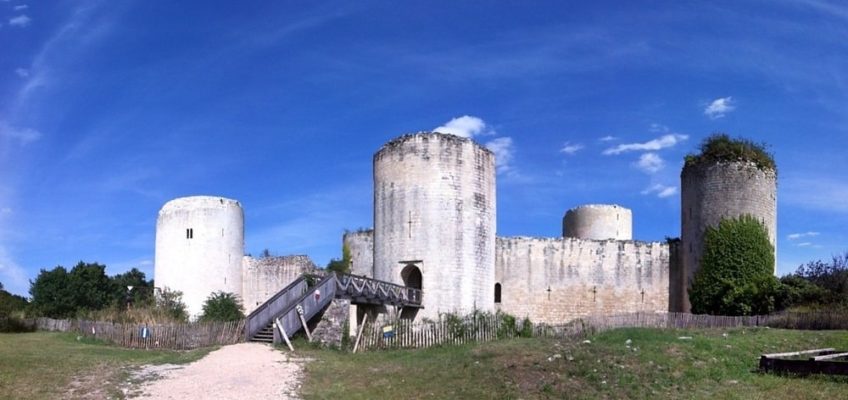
{"x": 656, "y": 365}
{"x": 56, "y": 365}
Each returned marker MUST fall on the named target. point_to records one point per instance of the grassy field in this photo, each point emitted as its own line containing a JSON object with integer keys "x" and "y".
{"x": 56, "y": 365}
{"x": 655, "y": 364}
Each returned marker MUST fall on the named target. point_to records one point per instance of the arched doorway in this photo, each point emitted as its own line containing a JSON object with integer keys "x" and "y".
{"x": 411, "y": 276}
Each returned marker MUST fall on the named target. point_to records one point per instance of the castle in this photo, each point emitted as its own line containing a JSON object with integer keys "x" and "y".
{"x": 435, "y": 229}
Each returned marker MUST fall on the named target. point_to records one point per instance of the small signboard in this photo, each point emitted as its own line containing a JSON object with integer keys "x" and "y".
{"x": 388, "y": 331}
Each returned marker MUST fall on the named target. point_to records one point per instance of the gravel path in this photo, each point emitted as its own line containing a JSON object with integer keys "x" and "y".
{"x": 241, "y": 371}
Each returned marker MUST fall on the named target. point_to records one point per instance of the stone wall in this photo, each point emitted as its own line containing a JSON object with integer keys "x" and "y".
{"x": 434, "y": 206}
{"x": 264, "y": 277}
{"x": 553, "y": 280}
{"x": 330, "y": 328}
{"x": 199, "y": 248}
{"x": 598, "y": 222}
{"x": 715, "y": 191}
{"x": 361, "y": 246}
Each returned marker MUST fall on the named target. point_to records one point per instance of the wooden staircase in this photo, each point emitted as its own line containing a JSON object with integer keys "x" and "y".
{"x": 265, "y": 335}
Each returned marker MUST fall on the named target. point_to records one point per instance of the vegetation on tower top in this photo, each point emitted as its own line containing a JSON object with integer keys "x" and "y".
{"x": 722, "y": 148}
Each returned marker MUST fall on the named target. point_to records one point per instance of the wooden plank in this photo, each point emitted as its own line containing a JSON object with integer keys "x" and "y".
{"x": 797, "y": 353}
{"x": 830, "y": 356}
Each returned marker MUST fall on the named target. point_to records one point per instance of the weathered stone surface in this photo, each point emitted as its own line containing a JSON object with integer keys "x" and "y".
{"x": 554, "y": 280}
{"x": 598, "y": 222}
{"x": 330, "y": 329}
{"x": 434, "y": 201}
{"x": 199, "y": 247}
{"x": 361, "y": 246}
{"x": 715, "y": 191}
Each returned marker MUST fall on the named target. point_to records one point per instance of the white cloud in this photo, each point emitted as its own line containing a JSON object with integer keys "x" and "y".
{"x": 805, "y": 244}
{"x": 650, "y": 163}
{"x": 659, "y": 143}
{"x": 658, "y": 128}
{"x": 795, "y": 236}
{"x": 22, "y": 72}
{"x": 14, "y": 277}
{"x": 719, "y": 107}
{"x": 607, "y": 138}
{"x": 21, "y": 7}
{"x": 661, "y": 191}
{"x": 20, "y": 21}
{"x": 465, "y": 126}
{"x": 504, "y": 152}
{"x": 5, "y": 210}
{"x": 24, "y": 135}
{"x": 570, "y": 149}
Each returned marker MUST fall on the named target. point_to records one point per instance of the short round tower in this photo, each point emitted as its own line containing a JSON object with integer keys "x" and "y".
{"x": 199, "y": 248}
{"x": 434, "y": 220}
{"x": 718, "y": 187}
{"x": 598, "y": 222}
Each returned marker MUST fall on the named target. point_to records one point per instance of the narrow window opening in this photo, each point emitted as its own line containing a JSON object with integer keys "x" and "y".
{"x": 497, "y": 293}
{"x": 190, "y": 233}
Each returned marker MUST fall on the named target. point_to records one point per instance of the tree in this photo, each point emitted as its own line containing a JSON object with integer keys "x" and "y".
{"x": 830, "y": 279}
{"x": 341, "y": 266}
{"x": 52, "y": 294}
{"x": 141, "y": 293}
{"x": 93, "y": 288}
{"x": 171, "y": 302}
{"x": 11, "y": 303}
{"x": 736, "y": 275}
{"x": 222, "y": 306}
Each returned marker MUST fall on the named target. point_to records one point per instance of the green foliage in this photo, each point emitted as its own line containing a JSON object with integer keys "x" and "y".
{"x": 507, "y": 328}
{"x": 171, "y": 302}
{"x": 721, "y": 148}
{"x": 736, "y": 270}
{"x": 141, "y": 294}
{"x": 526, "y": 330}
{"x": 52, "y": 294}
{"x": 831, "y": 278}
{"x": 222, "y": 306}
{"x": 341, "y": 266}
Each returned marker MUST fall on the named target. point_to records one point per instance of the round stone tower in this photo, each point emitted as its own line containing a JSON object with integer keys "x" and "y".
{"x": 199, "y": 248}
{"x": 434, "y": 220}
{"x": 598, "y": 222}
{"x": 713, "y": 190}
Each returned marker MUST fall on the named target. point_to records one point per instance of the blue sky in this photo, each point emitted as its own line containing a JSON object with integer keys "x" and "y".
{"x": 109, "y": 109}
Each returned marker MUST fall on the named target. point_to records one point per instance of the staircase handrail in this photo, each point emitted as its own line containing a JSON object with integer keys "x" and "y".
{"x": 270, "y": 309}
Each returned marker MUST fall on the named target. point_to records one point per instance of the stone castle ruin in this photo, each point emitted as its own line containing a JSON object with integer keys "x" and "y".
{"x": 435, "y": 229}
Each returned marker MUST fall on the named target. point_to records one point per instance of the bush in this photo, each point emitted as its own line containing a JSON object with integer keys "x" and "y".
{"x": 736, "y": 275}
{"x": 721, "y": 148}
{"x": 222, "y": 306}
{"x": 830, "y": 278}
{"x": 170, "y": 302}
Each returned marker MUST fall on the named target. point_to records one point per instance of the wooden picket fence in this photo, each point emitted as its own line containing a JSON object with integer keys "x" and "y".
{"x": 486, "y": 327}
{"x": 140, "y": 336}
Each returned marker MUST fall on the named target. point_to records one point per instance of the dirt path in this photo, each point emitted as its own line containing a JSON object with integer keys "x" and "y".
{"x": 241, "y": 371}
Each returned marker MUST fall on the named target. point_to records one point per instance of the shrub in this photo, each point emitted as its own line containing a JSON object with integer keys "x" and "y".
{"x": 736, "y": 275}
{"x": 222, "y": 306}
{"x": 526, "y": 328}
{"x": 170, "y": 302}
{"x": 721, "y": 148}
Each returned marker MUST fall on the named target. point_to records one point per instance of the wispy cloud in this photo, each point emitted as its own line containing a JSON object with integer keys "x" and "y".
{"x": 719, "y": 107}
{"x": 21, "y": 7}
{"x": 504, "y": 152}
{"x": 22, "y": 72}
{"x": 650, "y": 163}
{"x": 658, "y": 128}
{"x": 571, "y": 149}
{"x": 662, "y": 142}
{"x": 20, "y": 21}
{"x": 14, "y": 277}
{"x": 607, "y": 138}
{"x": 465, "y": 126}
{"x": 21, "y": 135}
{"x": 795, "y": 236}
{"x": 661, "y": 191}
{"x": 815, "y": 193}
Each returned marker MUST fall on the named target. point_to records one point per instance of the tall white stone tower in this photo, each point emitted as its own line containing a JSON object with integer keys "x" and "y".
{"x": 598, "y": 222}
{"x": 434, "y": 220}
{"x": 199, "y": 248}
